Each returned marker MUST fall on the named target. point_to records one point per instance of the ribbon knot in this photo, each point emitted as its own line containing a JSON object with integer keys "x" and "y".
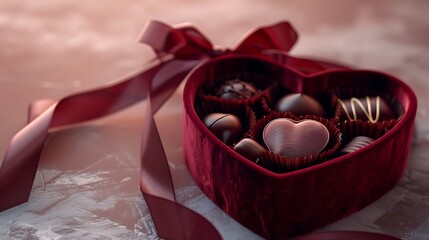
{"x": 187, "y": 42}
{"x": 216, "y": 52}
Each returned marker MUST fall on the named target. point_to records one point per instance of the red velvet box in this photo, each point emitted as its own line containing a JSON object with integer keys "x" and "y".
{"x": 279, "y": 205}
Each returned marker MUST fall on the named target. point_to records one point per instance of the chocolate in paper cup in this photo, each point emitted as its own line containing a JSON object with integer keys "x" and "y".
{"x": 352, "y": 129}
{"x": 221, "y": 85}
{"x": 281, "y": 164}
{"x": 356, "y": 143}
{"x": 298, "y": 103}
{"x": 342, "y": 95}
{"x": 245, "y": 114}
{"x": 359, "y": 134}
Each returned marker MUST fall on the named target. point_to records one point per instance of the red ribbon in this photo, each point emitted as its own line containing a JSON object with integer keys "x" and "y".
{"x": 178, "y": 50}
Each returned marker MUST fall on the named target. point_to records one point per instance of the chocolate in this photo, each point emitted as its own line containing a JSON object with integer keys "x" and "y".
{"x": 300, "y": 104}
{"x": 226, "y": 127}
{"x": 236, "y": 89}
{"x": 370, "y": 108}
{"x": 291, "y": 139}
{"x": 249, "y": 149}
{"x": 356, "y": 143}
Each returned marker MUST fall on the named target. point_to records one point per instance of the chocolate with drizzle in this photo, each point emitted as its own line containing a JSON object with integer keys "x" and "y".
{"x": 373, "y": 109}
{"x": 236, "y": 89}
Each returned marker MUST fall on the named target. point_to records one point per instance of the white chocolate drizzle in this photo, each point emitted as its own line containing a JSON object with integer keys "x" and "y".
{"x": 365, "y": 109}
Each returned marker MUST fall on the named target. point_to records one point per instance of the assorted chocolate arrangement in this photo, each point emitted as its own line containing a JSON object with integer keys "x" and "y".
{"x": 295, "y": 130}
{"x": 318, "y": 141}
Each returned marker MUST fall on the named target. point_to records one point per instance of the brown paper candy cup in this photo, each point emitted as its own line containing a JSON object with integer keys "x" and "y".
{"x": 355, "y": 129}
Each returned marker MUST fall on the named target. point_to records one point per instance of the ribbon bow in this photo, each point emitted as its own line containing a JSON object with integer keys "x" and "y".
{"x": 186, "y": 42}
{"x": 178, "y": 50}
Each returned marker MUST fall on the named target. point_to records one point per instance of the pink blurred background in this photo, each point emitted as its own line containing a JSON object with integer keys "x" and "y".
{"x": 88, "y": 178}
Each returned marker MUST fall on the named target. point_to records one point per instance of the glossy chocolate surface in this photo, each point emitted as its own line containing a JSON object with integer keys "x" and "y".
{"x": 291, "y": 139}
{"x": 226, "y": 127}
{"x": 249, "y": 148}
{"x": 356, "y": 143}
{"x": 236, "y": 89}
{"x": 300, "y": 104}
{"x": 370, "y": 108}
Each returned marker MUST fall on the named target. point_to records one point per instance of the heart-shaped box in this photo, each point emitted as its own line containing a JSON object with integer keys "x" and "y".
{"x": 280, "y": 205}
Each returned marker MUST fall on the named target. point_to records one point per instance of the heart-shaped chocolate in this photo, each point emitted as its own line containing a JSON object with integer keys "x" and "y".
{"x": 291, "y": 139}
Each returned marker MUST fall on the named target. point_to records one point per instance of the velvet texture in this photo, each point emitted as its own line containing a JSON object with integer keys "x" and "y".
{"x": 280, "y": 205}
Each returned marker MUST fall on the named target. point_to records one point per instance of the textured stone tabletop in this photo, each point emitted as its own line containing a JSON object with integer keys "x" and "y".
{"x": 87, "y": 185}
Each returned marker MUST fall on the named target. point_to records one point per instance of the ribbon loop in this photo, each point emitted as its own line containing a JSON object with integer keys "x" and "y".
{"x": 280, "y": 36}
{"x": 184, "y": 42}
{"x": 197, "y": 45}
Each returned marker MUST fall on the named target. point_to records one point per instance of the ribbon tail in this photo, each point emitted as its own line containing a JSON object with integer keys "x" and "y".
{"x": 23, "y": 156}
{"x": 23, "y": 153}
{"x": 20, "y": 162}
{"x": 36, "y": 108}
{"x": 172, "y": 220}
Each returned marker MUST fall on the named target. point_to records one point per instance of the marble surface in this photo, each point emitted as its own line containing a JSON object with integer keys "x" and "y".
{"x": 88, "y": 177}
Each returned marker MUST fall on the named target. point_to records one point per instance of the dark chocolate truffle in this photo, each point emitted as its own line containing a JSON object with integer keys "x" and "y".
{"x": 356, "y": 143}
{"x": 372, "y": 109}
{"x": 236, "y": 89}
{"x": 249, "y": 148}
{"x": 300, "y": 104}
{"x": 226, "y": 127}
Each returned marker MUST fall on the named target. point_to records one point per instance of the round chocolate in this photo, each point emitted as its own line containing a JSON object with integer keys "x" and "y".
{"x": 356, "y": 143}
{"x": 372, "y": 109}
{"x": 300, "y": 105}
{"x": 249, "y": 148}
{"x": 236, "y": 89}
{"x": 226, "y": 127}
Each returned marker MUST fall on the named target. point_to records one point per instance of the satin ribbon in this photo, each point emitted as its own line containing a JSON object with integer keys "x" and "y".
{"x": 178, "y": 51}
